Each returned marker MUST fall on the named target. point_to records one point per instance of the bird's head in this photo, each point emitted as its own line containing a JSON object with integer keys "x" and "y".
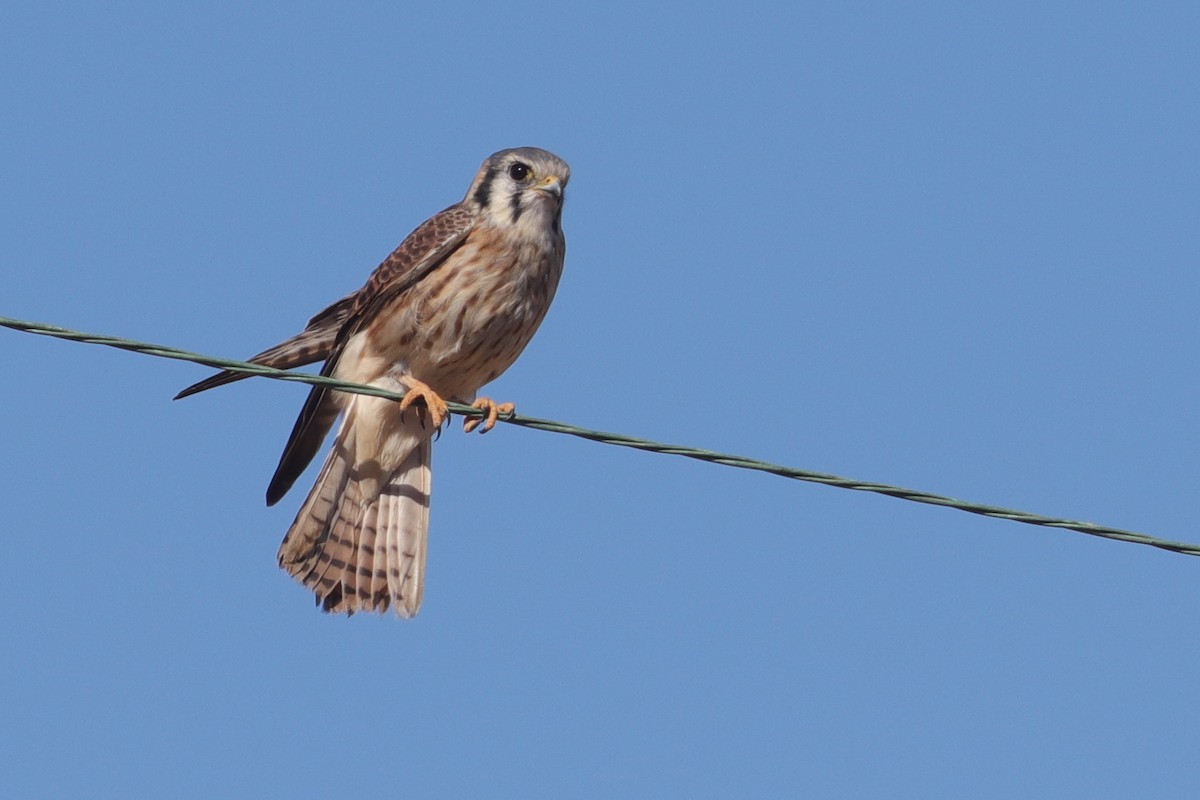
{"x": 522, "y": 187}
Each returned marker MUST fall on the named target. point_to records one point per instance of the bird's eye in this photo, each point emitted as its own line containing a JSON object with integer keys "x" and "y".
{"x": 518, "y": 171}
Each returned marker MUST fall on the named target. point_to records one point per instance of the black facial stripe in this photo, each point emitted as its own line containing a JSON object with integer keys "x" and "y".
{"x": 515, "y": 203}
{"x": 484, "y": 192}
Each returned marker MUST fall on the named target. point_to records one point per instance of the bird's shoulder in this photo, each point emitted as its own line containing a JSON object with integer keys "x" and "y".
{"x": 422, "y": 249}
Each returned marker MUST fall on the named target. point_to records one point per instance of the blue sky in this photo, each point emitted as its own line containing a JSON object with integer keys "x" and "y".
{"x": 948, "y": 246}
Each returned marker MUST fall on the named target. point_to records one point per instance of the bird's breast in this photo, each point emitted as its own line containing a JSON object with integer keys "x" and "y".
{"x": 467, "y": 321}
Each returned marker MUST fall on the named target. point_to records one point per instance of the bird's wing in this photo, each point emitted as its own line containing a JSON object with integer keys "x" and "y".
{"x": 422, "y": 252}
{"x": 312, "y": 344}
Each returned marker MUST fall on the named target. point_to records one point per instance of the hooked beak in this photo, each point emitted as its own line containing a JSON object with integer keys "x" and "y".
{"x": 551, "y": 185}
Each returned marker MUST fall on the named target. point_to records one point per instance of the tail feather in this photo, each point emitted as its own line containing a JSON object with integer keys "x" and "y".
{"x": 359, "y": 540}
{"x": 405, "y": 510}
{"x": 372, "y": 561}
{"x": 310, "y": 547}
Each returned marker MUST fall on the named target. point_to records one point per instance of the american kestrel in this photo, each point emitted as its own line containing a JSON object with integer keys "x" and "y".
{"x": 449, "y": 310}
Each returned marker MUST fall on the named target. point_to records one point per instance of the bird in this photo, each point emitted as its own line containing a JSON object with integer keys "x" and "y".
{"x": 446, "y": 313}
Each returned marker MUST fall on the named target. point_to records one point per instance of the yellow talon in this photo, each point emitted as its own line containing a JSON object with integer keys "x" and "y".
{"x": 429, "y": 401}
{"x": 492, "y": 412}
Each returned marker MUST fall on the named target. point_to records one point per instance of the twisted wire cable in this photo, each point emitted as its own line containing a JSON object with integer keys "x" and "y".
{"x": 621, "y": 440}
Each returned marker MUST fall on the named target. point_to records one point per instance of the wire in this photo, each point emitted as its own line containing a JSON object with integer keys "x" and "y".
{"x": 621, "y": 440}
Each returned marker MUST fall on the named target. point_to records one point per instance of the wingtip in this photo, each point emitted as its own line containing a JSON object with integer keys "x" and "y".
{"x": 278, "y": 487}
{"x": 195, "y": 388}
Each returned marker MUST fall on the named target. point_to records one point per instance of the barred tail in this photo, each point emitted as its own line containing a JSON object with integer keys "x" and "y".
{"x": 359, "y": 539}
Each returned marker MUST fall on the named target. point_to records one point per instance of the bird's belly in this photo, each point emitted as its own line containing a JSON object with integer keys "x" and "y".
{"x": 480, "y": 340}
{"x": 468, "y": 324}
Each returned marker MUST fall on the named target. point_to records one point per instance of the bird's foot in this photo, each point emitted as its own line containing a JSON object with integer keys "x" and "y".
{"x": 426, "y": 400}
{"x": 491, "y": 412}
